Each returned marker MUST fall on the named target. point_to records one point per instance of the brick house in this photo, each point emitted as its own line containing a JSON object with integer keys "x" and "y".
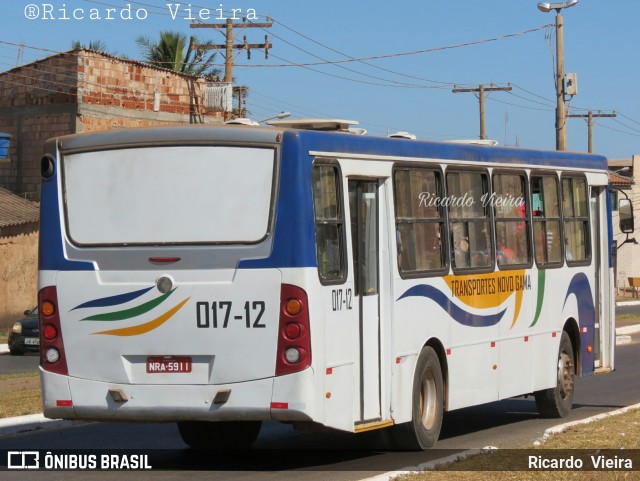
{"x": 82, "y": 91}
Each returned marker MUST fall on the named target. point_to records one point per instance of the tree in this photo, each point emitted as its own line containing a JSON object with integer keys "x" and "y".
{"x": 97, "y": 45}
{"x": 174, "y": 52}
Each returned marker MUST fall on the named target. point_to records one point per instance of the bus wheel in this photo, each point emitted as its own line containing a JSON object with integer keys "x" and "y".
{"x": 428, "y": 405}
{"x": 219, "y": 435}
{"x": 556, "y": 402}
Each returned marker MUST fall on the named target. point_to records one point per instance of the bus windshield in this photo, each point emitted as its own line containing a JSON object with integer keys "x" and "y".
{"x": 168, "y": 195}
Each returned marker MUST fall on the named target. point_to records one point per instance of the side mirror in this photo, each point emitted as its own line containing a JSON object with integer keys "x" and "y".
{"x": 27, "y": 312}
{"x": 625, "y": 212}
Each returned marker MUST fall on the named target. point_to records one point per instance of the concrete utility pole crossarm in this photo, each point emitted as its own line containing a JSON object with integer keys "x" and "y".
{"x": 481, "y": 90}
{"x": 229, "y": 45}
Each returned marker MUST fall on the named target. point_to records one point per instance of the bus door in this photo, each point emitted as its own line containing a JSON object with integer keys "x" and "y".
{"x": 603, "y": 323}
{"x": 365, "y": 211}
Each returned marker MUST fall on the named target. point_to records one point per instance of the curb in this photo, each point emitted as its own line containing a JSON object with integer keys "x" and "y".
{"x": 628, "y": 303}
{"x": 33, "y": 422}
{"x": 430, "y": 465}
{"x": 563, "y": 427}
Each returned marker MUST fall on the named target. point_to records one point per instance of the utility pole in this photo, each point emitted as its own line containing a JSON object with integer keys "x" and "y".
{"x": 229, "y": 46}
{"x": 589, "y": 118}
{"x": 561, "y": 110}
{"x": 481, "y": 90}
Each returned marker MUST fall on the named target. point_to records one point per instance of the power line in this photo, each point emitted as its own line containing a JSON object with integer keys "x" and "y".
{"x": 413, "y": 52}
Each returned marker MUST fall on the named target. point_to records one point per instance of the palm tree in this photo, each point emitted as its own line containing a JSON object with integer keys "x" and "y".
{"x": 97, "y": 45}
{"x": 174, "y": 52}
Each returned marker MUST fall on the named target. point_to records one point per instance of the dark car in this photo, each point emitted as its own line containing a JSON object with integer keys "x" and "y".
{"x": 24, "y": 336}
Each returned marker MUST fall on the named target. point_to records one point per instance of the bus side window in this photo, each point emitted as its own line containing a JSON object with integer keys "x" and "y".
{"x": 419, "y": 221}
{"x": 545, "y": 206}
{"x": 512, "y": 221}
{"x": 469, "y": 216}
{"x": 576, "y": 219}
{"x": 329, "y": 223}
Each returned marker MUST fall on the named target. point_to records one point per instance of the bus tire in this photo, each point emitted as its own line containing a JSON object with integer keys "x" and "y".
{"x": 427, "y": 405}
{"x": 219, "y": 435}
{"x": 556, "y": 402}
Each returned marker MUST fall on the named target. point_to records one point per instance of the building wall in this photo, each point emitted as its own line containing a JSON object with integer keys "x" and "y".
{"x": 140, "y": 92}
{"x": 628, "y": 255}
{"x": 18, "y": 275}
{"x": 37, "y": 101}
{"x": 84, "y": 91}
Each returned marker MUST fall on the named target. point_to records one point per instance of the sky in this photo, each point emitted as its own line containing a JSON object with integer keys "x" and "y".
{"x": 391, "y": 66}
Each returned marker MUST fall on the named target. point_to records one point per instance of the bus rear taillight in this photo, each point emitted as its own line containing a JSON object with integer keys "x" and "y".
{"x": 52, "y": 356}
{"x": 294, "y": 336}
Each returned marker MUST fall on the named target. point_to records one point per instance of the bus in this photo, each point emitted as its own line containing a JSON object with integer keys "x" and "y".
{"x": 222, "y": 276}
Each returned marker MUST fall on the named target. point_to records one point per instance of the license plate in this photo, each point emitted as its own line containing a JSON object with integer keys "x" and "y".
{"x": 32, "y": 341}
{"x": 168, "y": 364}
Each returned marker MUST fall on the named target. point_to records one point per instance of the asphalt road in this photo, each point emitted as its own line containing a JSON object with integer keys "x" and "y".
{"x": 628, "y": 309}
{"x": 284, "y": 454}
{"x": 19, "y": 364}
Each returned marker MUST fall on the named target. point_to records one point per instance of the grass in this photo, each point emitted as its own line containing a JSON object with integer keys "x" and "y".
{"x": 20, "y": 394}
{"x": 621, "y": 432}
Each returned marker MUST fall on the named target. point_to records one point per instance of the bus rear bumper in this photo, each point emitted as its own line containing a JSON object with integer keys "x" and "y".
{"x": 280, "y": 398}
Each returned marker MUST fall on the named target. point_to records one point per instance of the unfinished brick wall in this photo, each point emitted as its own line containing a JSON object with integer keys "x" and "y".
{"x": 132, "y": 86}
{"x": 18, "y": 276}
{"x": 85, "y": 91}
{"x": 37, "y": 101}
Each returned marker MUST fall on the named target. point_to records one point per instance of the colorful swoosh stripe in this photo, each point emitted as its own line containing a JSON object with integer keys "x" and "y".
{"x": 132, "y": 312}
{"x": 542, "y": 274}
{"x": 147, "y": 326}
{"x": 457, "y": 313}
{"x": 129, "y": 313}
{"x": 114, "y": 300}
{"x": 503, "y": 285}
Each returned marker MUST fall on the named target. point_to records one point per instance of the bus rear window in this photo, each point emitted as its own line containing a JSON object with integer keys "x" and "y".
{"x": 168, "y": 195}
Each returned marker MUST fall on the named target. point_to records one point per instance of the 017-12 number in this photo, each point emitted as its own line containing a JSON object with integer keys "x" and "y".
{"x": 218, "y": 313}
{"x": 341, "y": 299}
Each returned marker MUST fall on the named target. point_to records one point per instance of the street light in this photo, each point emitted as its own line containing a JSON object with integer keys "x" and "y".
{"x": 281, "y": 115}
{"x": 561, "y": 112}
{"x": 246, "y": 121}
{"x": 548, "y": 6}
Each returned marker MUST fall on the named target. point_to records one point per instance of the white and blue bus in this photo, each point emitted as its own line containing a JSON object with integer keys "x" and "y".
{"x": 219, "y": 277}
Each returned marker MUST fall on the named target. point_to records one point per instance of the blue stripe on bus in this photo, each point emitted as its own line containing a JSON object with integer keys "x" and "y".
{"x": 294, "y": 238}
{"x": 609, "y": 228}
{"x": 580, "y": 287}
{"x": 357, "y": 144}
{"x": 114, "y": 300}
{"x": 457, "y": 313}
{"x": 50, "y": 251}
